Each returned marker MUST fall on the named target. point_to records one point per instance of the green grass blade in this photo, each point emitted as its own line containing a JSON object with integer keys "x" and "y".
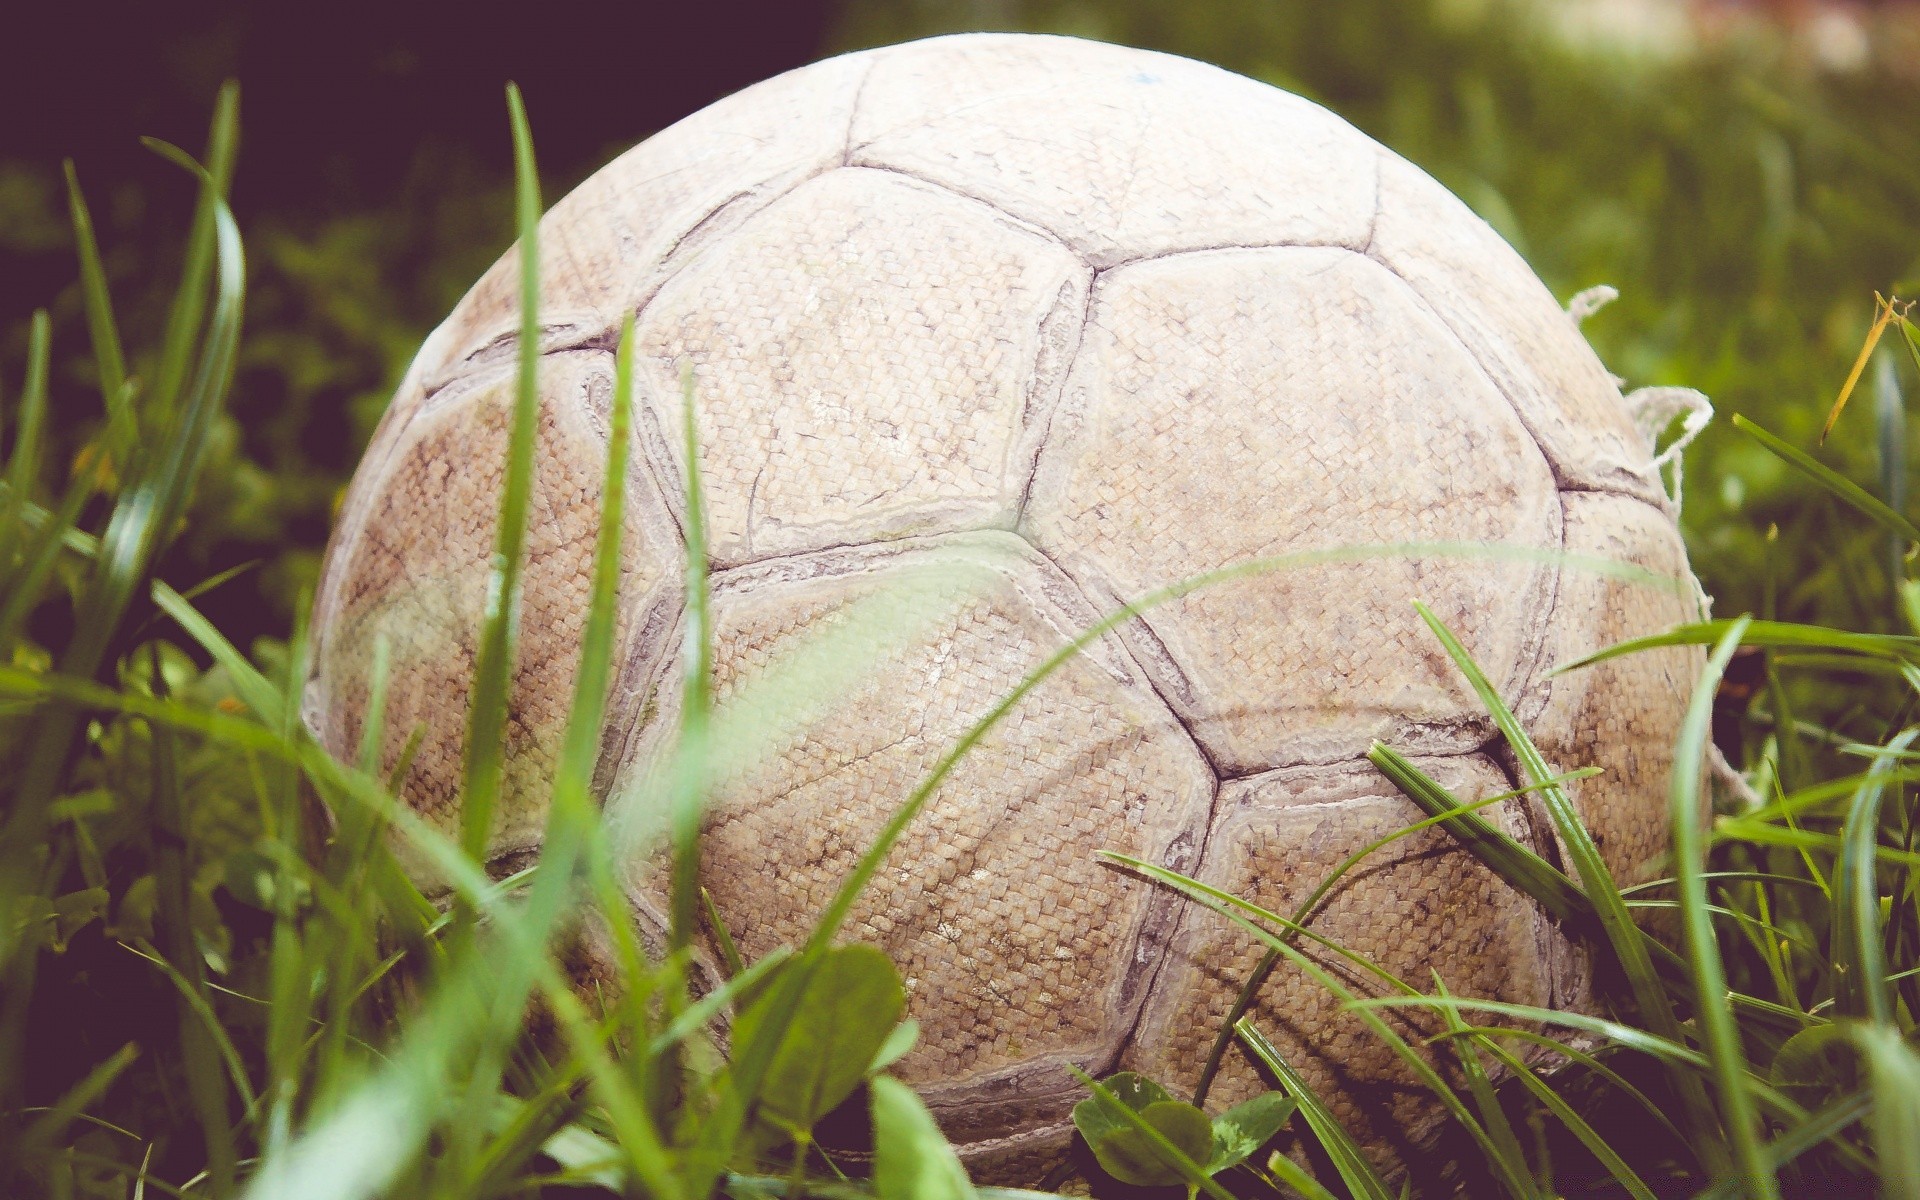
{"x": 709, "y": 1006}
{"x": 374, "y": 734}
{"x": 1544, "y": 883}
{"x": 144, "y": 521}
{"x": 1547, "y": 885}
{"x": 289, "y": 1011}
{"x": 1821, "y": 1129}
{"x": 23, "y": 464}
{"x": 1295, "y": 1176}
{"x": 629, "y": 957}
{"x": 169, "y": 850}
{"x": 73, "y": 1104}
{"x": 499, "y": 631}
{"x": 1858, "y": 949}
{"x": 696, "y": 694}
{"x": 110, "y": 361}
{"x": 255, "y": 690}
{"x": 1614, "y": 1078}
{"x": 573, "y": 776}
{"x": 1271, "y": 959}
{"x": 1351, "y": 1163}
{"x": 722, "y": 936}
{"x": 1769, "y": 634}
{"x": 1890, "y": 440}
{"x": 1627, "y": 1037}
{"x": 1766, "y": 833}
{"x": 188, "y": 308}
{"x": 1757, "y": 928}
{"x": 50, "y": 533}
{"x": 1628, "y": 943}
{"x": 1511, "y": 1158}
{"x": 1832, "y": 481}
{"x": 1233, "y": 909}
{"x": 232, "y": 1061}
{"x": 571, "y": 817}
{"x": 1598, "y": 1146}
{"x": 1893, "y": 1069}
{"x": 140, "y": 524}
{"x": 360, "y": 1145}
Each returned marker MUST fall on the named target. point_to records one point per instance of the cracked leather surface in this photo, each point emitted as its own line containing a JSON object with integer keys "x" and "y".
{"x": 1091, "y": 320}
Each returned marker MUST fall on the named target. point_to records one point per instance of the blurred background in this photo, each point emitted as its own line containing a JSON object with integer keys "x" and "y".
{"x": 1746, "y": 174}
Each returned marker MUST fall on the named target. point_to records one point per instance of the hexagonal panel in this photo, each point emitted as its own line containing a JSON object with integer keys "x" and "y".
{"x": 1021, "y": 950}
{"x": 608, "y": 243}
{"x": 1228, "y": 407}
{"x": 414, "y": 569}
{"x": 1514, "y": 328}
{"x": 1417, "y": 905}
{"x": 1624, "y": 714}
{"x": 1122, "y": 152}
{"x": 871, "y": 357}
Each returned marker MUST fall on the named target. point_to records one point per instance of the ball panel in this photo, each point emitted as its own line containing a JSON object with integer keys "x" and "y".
{"x": 415, "y": 572}
{"x": 1624, "y": 714}
{"x": 1418, "y": 905}
{"x": 609, "y": 243}
{"x": 1021, "y": 950}
{"x": 1497, "y": 307}
{"x": 361, "y": 493}
{"x": 1122, "y": 152}
{"x": 1254, "y": 403}
{"x": 870, "y": 359}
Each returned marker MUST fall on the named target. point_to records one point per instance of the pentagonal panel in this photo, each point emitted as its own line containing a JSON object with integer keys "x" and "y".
{"x": 607, "y": 244}
{"x": 1122, "y": 152}
{"x": 1021, "y": 951}
{"x": 1511, "y": 324}
{"x": 871, "y": 357}
{"x": 1621, "y": 715}
{"x": 414, "y": 569}
{"x": 1229, "y": 407}
{"x": 1416, "y": 906}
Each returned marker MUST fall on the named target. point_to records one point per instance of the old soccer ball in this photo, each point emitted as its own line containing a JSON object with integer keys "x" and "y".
{"x": 1098, "y": 320}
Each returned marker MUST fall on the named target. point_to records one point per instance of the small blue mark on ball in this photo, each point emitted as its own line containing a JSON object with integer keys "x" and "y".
{"x": 1145, "y": 77}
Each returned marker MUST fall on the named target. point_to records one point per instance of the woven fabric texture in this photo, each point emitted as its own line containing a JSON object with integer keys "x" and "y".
{"x": 1089, "y": 321}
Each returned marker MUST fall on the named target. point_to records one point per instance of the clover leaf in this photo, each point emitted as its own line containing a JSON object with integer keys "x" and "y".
{"x": 1130, "y": 1154}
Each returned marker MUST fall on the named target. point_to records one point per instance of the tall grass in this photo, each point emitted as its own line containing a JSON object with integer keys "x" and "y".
{"x": 331, "y": 1033}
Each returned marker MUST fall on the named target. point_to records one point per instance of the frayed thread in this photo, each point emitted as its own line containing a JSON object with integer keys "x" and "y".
{"x": 1653, "y": 410}
{"x": 1591, "y": 301}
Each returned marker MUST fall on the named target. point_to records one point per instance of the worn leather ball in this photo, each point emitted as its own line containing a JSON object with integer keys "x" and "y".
{"x": 1094, "y": 320}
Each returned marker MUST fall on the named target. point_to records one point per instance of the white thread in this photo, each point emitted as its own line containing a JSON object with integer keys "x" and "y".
{"x": 1591, "y": 301}
{"x": 1653, "y": 410}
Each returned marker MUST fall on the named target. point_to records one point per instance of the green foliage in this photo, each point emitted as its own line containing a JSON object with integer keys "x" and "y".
{"x": 912, "y": 1160}
{"x": 1129, "y": 1117}
{"x": 176, "y": 845}
{"x": 843, "y": 1018}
